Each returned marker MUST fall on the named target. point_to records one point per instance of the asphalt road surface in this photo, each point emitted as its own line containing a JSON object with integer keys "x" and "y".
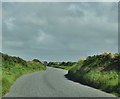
{"x": 51, "y": 83}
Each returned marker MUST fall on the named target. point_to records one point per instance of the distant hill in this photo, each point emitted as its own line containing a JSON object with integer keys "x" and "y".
{"x": 62, "y": 65}
{"x": 99, "y": 71}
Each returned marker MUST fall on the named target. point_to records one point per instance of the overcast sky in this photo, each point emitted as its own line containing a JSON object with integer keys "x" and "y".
{"x": 59, "y": 31}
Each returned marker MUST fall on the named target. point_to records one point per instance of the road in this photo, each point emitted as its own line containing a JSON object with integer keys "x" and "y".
{"x": 51, "y": 83}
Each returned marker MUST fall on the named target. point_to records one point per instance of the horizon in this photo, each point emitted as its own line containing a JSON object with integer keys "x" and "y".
{"x": 65, "y": 31}
{"x": 59, "y": 61}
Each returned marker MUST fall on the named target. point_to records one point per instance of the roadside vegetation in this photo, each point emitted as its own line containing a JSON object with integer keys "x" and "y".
{"x": 98, "y": 71}
{"x": 13, "y": 67}
{"x": 61, "y": 65}
{"x": 0, "y": 76}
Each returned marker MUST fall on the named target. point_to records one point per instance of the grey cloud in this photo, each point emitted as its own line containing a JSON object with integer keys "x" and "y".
{"x": 59, "y": 31}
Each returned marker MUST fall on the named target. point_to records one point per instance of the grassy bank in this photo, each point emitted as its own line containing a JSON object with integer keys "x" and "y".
{"x": 14, "y": 67}
{"x": 98, "y": 71}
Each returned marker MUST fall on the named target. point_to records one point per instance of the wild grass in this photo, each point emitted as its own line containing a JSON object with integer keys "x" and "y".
{"x": 0, "y": 81}
{"x": 98, "y": 71}
{"x": 14, "y": 67}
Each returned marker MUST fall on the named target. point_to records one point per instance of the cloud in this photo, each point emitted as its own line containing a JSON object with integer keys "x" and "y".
{"x": 59, "y": 31}
{"x": 44, "y": 38}
{"x": 10, "y": 23}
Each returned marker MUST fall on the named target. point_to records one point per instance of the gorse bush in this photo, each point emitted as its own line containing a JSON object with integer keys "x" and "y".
{"x": 13, "y": 67}
{"x": 99, "y": 71}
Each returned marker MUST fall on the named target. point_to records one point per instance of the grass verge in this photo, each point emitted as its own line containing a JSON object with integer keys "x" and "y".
{"x": 14, "y": 67}
{"x": 98, "y": 71}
